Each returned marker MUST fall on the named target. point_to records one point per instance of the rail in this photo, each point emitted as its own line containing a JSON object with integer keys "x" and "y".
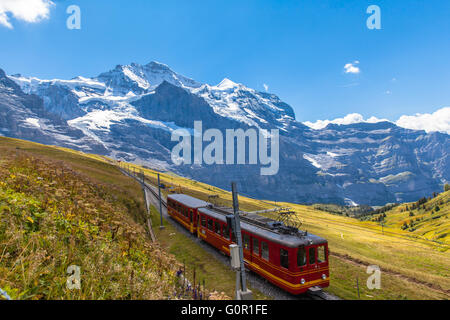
{"x": 314, "y": 294}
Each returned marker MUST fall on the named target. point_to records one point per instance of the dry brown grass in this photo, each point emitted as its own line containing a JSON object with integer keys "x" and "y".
{"x": 52, "y": 216}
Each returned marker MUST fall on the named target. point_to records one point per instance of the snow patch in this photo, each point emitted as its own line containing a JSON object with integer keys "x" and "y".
{"x": 350, "y": 202}
{"x": 33, "y": 121}
{"x": 312, "y": 160}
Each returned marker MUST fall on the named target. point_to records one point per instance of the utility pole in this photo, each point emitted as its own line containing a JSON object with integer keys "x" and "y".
{"x": 242, "y": 293}
{"x": 160, "y": 203}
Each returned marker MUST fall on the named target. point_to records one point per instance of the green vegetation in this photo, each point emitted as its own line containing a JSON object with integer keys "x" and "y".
{"x": 348, "y": 211}
{"x": 52, "y": 215}
{"x": 218, "y": 277}
{"x": 427, "y": 218}
{"x": 413, "y": 267}
{"x": 70, "y": 217}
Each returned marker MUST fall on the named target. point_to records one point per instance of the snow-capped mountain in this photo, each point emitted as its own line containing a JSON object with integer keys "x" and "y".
{"x": 130, "y": 112}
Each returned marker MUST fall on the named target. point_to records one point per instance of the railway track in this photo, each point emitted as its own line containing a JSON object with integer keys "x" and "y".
{"x": 254, "y": 280}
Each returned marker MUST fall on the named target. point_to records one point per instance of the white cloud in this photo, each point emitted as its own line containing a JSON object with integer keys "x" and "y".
{"x": 437, "y": 121}
{"x": 266, "y": 87}
{"x": 26, "y": 10}
{"x": 352, "y": 68}
{"x": 348, "y": 119}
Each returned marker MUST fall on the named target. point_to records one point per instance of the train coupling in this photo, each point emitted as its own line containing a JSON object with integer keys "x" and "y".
{"x": 315, "y": 290}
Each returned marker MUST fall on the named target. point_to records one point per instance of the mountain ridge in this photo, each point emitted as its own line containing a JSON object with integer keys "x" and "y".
{"x": 130, "y": 112}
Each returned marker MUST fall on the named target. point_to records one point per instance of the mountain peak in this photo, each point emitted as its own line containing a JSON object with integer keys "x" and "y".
{"x": 156, "y": 64}
{"x": 227, "y": 84}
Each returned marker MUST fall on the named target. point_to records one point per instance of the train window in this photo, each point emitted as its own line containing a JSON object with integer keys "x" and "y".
{"x": 301, "y": 257}
{"x": 210, "y": 224}
{"x": 191, "y": 215}
{"x": 226, "y": 231}
{"x": 256, "y": 246}
{"x": 312, "y": 255}
{"x": 217, "y": 227}
{"x": 203, "y": 221}
{"x": 264, "y": 250}
{"x": 246, "y": 241}
{"x": 284, "y": 258}
{"x": 321, "y": 254}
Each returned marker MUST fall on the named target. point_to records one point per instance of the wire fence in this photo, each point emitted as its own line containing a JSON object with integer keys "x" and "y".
{"x": 187, "y": 290}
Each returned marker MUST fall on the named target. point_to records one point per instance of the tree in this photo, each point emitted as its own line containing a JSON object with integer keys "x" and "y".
{"x": 447, "y": 187}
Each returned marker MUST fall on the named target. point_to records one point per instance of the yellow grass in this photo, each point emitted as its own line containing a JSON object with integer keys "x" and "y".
{"x": 412, "y": 267}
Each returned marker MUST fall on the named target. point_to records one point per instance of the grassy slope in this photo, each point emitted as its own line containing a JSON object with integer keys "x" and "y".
{"x": 216, "y": 275}
{"x": 412, "y": 267}
{"x": 430, "y": 220}
{"x": 61, "y": 208}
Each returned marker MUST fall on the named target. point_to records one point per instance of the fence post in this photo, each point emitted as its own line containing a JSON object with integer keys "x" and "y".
{"x": 357, "y": 287}
{"x": 193, "y": 287}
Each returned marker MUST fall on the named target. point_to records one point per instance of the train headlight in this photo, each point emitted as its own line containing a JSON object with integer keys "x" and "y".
{"x": 303, "y": 281}
{"x": 324, "y": 276}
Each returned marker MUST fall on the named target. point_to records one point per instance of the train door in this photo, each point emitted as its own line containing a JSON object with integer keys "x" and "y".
{"x": 191, "y": 219}
{"x": 255, "y": 248}
{"x": 197, "y": 221}
{"x": 312, "y": 258}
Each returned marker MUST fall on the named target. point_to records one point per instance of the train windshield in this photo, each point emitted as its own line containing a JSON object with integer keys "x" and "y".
{"x": 321, "y": 254}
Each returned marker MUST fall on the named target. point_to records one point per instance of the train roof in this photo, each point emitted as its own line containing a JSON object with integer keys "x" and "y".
{"x": 266, "y": 228}
{"x": 188, "y": 201}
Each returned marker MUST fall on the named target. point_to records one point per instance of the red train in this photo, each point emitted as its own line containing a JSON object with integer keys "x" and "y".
{"x": 290, "y": 259}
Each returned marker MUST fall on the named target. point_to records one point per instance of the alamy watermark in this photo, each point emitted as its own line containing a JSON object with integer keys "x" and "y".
{"x": 74, "y": 20}
{"x": 374, "y": 20}
{"x": 74, "y": 279}
{"x": 235, "y": 147}
{"x": 374, "y": 280}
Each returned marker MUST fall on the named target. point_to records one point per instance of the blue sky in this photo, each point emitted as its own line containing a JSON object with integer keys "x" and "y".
{"x": 297, "y": 48}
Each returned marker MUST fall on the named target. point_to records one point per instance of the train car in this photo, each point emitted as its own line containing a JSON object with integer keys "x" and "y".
{"x": 184, "y": 209}
{"x": 291, "y": 259}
